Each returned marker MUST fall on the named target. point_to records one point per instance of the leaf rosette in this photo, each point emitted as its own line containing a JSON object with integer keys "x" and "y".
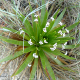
{"x": 40, "y": 42}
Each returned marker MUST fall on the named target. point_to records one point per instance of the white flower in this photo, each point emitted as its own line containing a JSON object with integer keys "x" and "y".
{"x": 55, "y": 45}
{"x": 65, "y": 43}
{"x": 52, "y": 18}
{"x": 63, "y": 47}
{"x": 35, "y": 20}
{"x": 67, "y": 30}
{"x": 34, "y": 55}
{"x": 56, "y": 57}
{"x": 63, "y": 34}
{"x": 29, "y": 65}
{"x": 66, "y": 53}
{"x": 52, "y": 49}
{"x": 47, "y": 24}
{"x": 30, "y": 42}
{"x": 60, "y": 32}
{"x": 40, "y": 42}
{"x": 60, "y": 23}
{"x": 44, "y": 29}
{"x": 3, "y": 62}
{"x": 35, "y": 15}
{"x": 20, "y": 28}
{"x": 21, "y": 31}
{"x": 45, "y": 41}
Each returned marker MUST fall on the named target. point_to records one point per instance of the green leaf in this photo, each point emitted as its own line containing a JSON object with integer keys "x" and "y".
{"x": 64, "y": 38}
{"x": 12, "y": 41}
{"x": 9, "y": 30}
{"x": 24, "y": 64}
{"x": 35, "y": 30}
{"x": 44, "y": 20}
{"x": 43, "y": 11}
{"x": 17, "y": 54}
{"x": 32, "y": 15}
{"x": 42, "y": 57}
{"x": 68, "y": 46}
{"x": 27, "y": 25}
{"x": 31, "y": 48}
{"x": 73, "y": 26}
{"x": 58, "y": 19}
{"x": 55, "y": 15}
{"x": 33, "y": 72}
{"x": 57, "y": 52}
{"x": 38, "y": 31}
{"x": 49, "y": 69}
{"x": 14, "y": 31}
{"x": 50, "y": 26}
{"x": 58, "y": 28}
{"x": 56, "y": 60}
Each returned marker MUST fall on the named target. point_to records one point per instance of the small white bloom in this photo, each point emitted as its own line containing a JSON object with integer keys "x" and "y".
{"x": 60, "y": 23}
{"x": 66, "y": 53}
{"x": 34, "y": 55}
{"x": 3, "y": 62}
{"x": 30, "y": 42}
{"x": 52, "y": 49}
{"x": 21, "y": 31}
{"x": 56, "y": 57}
{"x": 47, "y": 24}
{"x": 63, "y": 34}
{"x": 35, "y": 15}
{"x": 40, "y": 42}
{"x": 55, "y": 45}
{"x": 67, "y": 30}
{"x": 52, "y": 18}
{"x": 65, "y": 43}
{"x": 20, "y": 28}
{"x": 35, "y": 20}
{"x": 60, "y": 32}
{"x": 44, "y": 29}
{"x": 63, "y": 47}
{"x": 29, "y": 65}
{"x": 45, "y": 41}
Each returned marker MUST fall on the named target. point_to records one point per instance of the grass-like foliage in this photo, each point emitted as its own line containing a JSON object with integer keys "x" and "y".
{"x": 40, "y": 41}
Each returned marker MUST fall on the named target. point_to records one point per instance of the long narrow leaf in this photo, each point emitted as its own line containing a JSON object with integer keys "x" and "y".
{"x": 24, "y": 64}
{"x": 59, "y": 18}
{"x": 14, "y": 41}
{"x": 14, "y": 31}
{"x": 27, "y": 25}
{"x": 42, "y": 11}
{"x": 56, "y": 60}
{"x": 57, "y": 52}
{"x": 42, "y": 57}
{"x": 50, "y": 69}
{"x": 73, "y": 26}
{"x": 34, "y": 69}
{"x": 17, "y": 54}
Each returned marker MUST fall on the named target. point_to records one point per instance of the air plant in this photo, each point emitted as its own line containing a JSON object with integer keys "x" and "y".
{"x": 42, "y": 42}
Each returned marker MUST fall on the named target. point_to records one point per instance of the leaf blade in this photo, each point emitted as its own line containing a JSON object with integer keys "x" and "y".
{"x": 24, "y": 64}
{"x": 59, "y": 18}
{"x": 12, "y": 41}
{"x": 17, "y": 54}
{"x": 34, "y": 69}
